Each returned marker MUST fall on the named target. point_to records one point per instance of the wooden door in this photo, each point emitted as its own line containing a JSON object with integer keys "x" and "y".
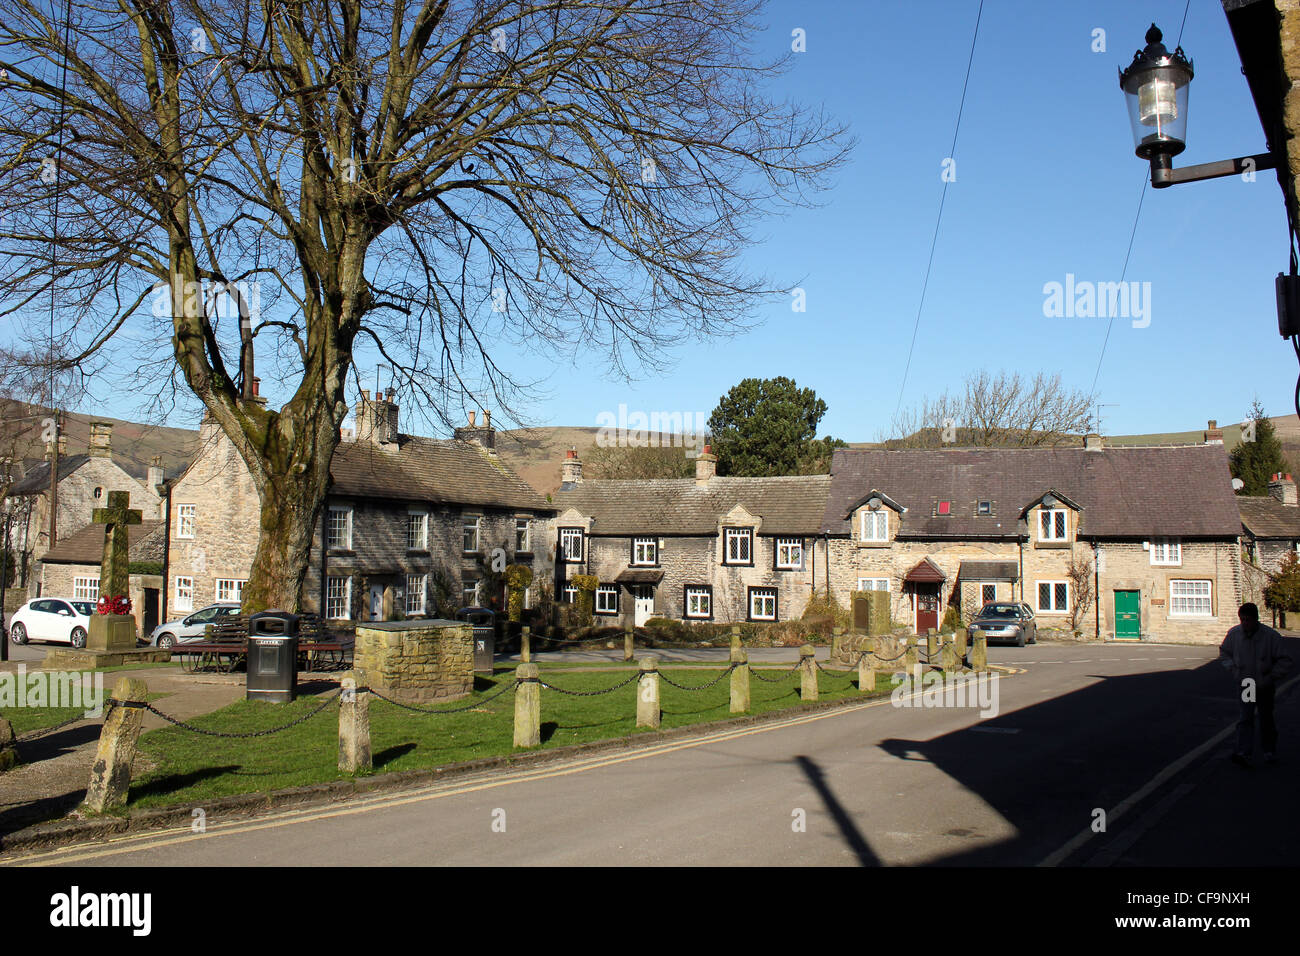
{"x": 927, "y": 607}
{"x": 1128, "y": 615}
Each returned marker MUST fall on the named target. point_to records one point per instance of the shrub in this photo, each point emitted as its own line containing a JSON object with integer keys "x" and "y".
{"x": 951, "y": 619}
{"x": 518, "y": 577}
{"x": 585, "y": 605}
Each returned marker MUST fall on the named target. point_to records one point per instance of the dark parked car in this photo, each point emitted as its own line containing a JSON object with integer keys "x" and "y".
{"x": 1006, "y": 623}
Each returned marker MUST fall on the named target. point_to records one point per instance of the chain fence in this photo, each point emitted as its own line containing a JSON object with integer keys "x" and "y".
{"x": 136, "y": 704}
{"x": 474, "y": 705}
{"x": 590, "y": 693}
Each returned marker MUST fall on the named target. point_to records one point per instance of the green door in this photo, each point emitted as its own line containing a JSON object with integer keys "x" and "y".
{"x": 1128, "y": 616}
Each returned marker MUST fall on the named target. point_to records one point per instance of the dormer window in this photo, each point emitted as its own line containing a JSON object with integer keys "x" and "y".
{"x": 984, "y": 508}
{"x": 874, "y": 526}
{"x": 1052, "y": 524}
{"x": 738, "y": 545}
{"x": 945, "y": 508}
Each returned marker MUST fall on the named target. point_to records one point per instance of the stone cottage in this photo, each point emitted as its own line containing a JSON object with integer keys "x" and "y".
{"x": 84, "y": 483}
{"x": 704, "y": 549}
{"x": 411, "y": 526}
{"x": 1270, "y": 530}
{"x": 1151, "y": 530}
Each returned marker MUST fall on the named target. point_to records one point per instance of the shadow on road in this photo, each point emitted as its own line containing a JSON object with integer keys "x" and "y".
{"x": 843, "y": 819}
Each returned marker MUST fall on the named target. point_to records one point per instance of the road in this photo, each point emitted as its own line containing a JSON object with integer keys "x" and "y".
{"x": 1135, "y": 731}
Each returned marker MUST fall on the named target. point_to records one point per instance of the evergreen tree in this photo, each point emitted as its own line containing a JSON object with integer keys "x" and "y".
{"x": 1255, "y": 462}
{"x": 768, "y": 427}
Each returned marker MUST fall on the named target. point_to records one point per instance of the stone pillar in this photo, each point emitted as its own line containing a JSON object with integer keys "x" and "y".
{"x": 528, "y": 706}
{"x": 910, "y": 656}
{"x": 739, "y": 677}
{"x": 525, "y": 645}
{"x": 110, "y": 775}
{"x": 931, "y": 645}
{"x": 948, "y": 656}
{"x": 979, "y": 652}
{"x": 629, "y": 635}
{"x": 837, "y": 638}
{"x": 807, "y": 673}
{"x": 354, "y": 727}
{"x": 647, "y": 693}
{"x": 962, "y": 639}
{"x": 9, "y": 744}
{"x": 866, "y": 674}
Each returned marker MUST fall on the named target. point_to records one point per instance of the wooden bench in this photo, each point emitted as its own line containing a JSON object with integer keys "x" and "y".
{"x": 225, "y": 647}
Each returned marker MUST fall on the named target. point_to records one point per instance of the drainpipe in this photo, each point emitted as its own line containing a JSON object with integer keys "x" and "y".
{"x": 1096, "y": 591}
{"x": 167, "y": 554}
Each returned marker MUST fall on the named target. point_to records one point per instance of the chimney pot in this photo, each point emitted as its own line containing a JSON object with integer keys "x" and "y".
{"x": 571, "y": 468}
{"x": 472, "y": 417}
{"x": 1213, "y": 424}
{"x": 487, "y": 419}
{"x": 257, "y": 387}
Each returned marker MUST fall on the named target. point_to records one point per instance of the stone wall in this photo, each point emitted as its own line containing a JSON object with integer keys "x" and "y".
{"x": 416, "y": 662}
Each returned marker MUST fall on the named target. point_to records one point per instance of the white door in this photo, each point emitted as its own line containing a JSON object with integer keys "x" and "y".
{"x": 645, "y": 603}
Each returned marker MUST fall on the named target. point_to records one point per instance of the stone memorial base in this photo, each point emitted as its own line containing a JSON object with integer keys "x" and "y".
{"x": 82, "y": 659}
{"x": 111, "y": 632}
{"x": 415, "y": 661}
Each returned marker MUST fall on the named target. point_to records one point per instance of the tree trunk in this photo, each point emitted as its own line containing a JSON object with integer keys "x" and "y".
{"x": 290, "y": 513}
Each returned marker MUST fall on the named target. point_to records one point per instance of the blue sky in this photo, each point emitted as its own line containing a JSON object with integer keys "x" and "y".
{"x": 1046, "y": 184}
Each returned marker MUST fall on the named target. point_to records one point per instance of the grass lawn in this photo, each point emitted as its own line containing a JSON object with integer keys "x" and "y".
{"x": 27, "y": 719}
{"x": 192, "y": 768}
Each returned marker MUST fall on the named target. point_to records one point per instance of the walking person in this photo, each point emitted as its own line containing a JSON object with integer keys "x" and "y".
{"x": 1258, "y": 659}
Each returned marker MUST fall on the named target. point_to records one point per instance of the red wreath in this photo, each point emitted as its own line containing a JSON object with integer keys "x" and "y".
{"x": 115, "y": 605}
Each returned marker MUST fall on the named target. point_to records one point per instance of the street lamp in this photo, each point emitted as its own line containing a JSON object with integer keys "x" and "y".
{"x": 1155, "y": 86}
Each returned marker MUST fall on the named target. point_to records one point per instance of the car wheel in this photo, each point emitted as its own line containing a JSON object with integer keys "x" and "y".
{"x": 1020, "y": 638}
{"x": 1034, "y": 639}
{"x": 78, "y": 637}
{"x": 19, "y": 634}
{"x": 166, "y": 642}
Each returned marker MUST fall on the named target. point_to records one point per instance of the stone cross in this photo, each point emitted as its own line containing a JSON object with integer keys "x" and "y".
{"x": 114, "y": 570}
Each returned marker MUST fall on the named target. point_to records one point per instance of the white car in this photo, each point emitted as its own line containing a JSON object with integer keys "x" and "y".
{"x": 62, "y": 620}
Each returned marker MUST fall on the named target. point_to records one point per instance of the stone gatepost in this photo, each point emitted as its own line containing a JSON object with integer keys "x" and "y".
{"x": 739, "y": 677}
{"x": 629, "y": 634}
{"x": 110, "y": 774}
{"x": 525, "y": 645}
{"x": 931, "y": 645}
{"x": 528, "y": 706}
{"x": 866, "y": 674}
{"x": 417, "y": 662}
{"x": 354, "y": 726}
{"x": 911, "y": 657}
{"x": 837, "y": 639}
{"x": 647, "y": 693}
{"x": 807, "y": 673}
{"x": 8, "y": 745}
{"x": 948, "y": 656}
{"x": 963, "y": 642}
{"x": 979, "y": 652}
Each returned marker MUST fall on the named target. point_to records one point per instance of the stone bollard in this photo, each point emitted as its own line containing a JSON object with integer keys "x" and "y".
{"x": 8, "y": 743}
{"x": 739, "y": 677}
{"x": 528, "y": 706}
{"x": 807, "y": 673}
{"x": 525, "y": 645}
{"x": 931, "y": 645}
{"x": 948, "y": 656}
{"x": 963, "y": 642}
{"x": 628, "y": 651}
{"x": 110, "y": 775}
{"x": 866, "y": 674}
{"x": 354, "y": 725}
{"x": 837, "y": 642}
{"x": 910, "y": 656}
{"x": 647, "y": 693}
{"x": 979, "y": 652}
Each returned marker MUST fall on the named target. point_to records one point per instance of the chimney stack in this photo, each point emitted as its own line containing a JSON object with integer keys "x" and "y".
{"x": 571, "y": 469}
{"x": 1214, "y": 434}
{"x": 155, "y": 474}
{"x": 483, "y": 435}
{"x": 101, "y": 440}
{"x": 1092, "y": 442}
{"x": 1282, "y": 487}
{"x": 706, "y": 466}
{"x": 376, "y": 421}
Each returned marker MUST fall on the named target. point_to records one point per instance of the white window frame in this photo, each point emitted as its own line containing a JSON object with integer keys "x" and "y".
{"x": 1047, "y": 516}
{"x": 703, "y": 595}
{"x": 524, "y": 525}
{"x": 183, "y": 599}
{"x": 332, "y": 540}
{"x": 789, "y": 545}
{"x": 1207, "y": 597}
{"x": 607, "y": 591}
{"x": 878, "y": 522}
{"x": 640, "y": 558}
{"x": 570, "y": 593}
{"x": 86, "y": 589}
{"x": 763, "y": 595}
{"x": 1167, "y": 552}
{"x": 472, "y": 588}
{"x": 416, "y": 589}
{"x": 417, "y": 531}
{"x": 872, "y": 584}
{"x": 228, "y": 584}
{"x": 478, "y": 533}
{"x": 1038, "y": 596}
{"x": 745, "y": 535}
{"x": 567, "y": 538}
{"x": 338, "y": 588}
{"x": 187, "y": 516}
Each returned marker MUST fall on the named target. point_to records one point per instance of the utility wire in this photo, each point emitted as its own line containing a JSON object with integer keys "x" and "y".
{"x": 934, "y": 241}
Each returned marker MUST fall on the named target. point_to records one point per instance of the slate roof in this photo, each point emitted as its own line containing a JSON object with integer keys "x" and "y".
{"x": 146, "y": 542}
{"x": 791, "y": 505}
{"x": 440, "y": 471}
{"x": 1266, "y": 517}
{"x": 1174, "y": 491}
{"x": 36, "y": 478}
{"x": 988, "y": 571}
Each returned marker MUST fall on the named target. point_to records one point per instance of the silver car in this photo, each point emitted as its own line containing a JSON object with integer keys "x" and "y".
{"x": 192, "y": 626}
{"x": 1007, "y": 622}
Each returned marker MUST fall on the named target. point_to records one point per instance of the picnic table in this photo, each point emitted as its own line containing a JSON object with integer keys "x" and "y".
{"x": 224, "y": 647}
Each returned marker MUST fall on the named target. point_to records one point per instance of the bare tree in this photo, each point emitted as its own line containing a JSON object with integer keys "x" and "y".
{"x": 655, "y": 461}
{"x": 1002, "y": 409}
{"x": 438, "y": 181}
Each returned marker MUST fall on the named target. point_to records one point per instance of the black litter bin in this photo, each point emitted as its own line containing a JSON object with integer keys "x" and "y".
{"x": 273, "y": 656}
{"x": 483, "y": 622}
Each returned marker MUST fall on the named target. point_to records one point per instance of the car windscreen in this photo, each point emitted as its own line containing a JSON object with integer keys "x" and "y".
{"x": 83, "y": 607}
{"x": 1000, "y": 611}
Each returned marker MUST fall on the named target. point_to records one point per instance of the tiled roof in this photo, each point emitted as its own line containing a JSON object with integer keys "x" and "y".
{"x": 988, "y": 571}
{"x": 1266, "y": 517}
{"x": 787, "y": 505}
{"x": 36, "y": 479}
{"x": 146, "y": 542}
{"x": 1176, "y": 491}
{"x": 440, "y": 471}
